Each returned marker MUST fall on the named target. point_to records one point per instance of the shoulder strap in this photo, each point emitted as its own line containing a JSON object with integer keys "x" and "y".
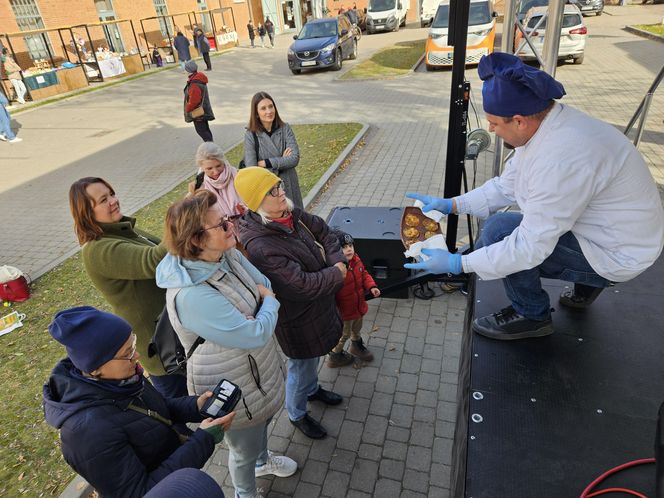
{"x": 256, "y": 145}
{"x": 318, "y": 244}
{"x": 153, "y": 414}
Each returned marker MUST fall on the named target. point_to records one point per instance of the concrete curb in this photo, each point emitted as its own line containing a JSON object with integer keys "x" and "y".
{"x": 644, "y": 34}
{"x": 78, "y": 488}
{"x": 320, "y": 184}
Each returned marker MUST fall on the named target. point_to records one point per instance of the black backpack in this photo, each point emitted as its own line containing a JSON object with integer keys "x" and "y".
{"x": 166, "y": 344}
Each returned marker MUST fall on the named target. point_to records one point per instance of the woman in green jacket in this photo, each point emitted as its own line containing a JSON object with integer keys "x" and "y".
{"x": 121, "y": 262}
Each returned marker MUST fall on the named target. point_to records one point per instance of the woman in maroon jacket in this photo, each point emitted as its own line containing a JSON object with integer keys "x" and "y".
{"x": 353, "y": 307}
{"x": 302, "y": 258}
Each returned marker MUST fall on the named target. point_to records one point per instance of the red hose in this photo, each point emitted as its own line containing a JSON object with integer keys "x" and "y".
{"x": 633, "y": 463}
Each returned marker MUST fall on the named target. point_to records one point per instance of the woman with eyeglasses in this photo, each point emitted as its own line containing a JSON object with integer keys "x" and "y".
{"x": 213, "y": 292}
{"x": 270, "y": 143}
{"x": 116, "y": 430}
{"x": 121, "y": 261}
{"x": 303, "y": 260}
{"x": 217, "y": 177}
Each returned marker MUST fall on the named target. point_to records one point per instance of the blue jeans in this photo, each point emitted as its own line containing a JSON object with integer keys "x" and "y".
{"x": 5, "y": 124}
{"x": 524, "y": 288}
{"x": 302, "y": 381}
{"x": 247, "y": 448}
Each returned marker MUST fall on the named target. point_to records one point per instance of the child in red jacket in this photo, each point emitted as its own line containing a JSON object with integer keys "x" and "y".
{"x": 351, "y": 303}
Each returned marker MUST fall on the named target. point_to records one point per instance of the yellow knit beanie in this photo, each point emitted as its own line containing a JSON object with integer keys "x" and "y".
{"x": 252, "y": 184}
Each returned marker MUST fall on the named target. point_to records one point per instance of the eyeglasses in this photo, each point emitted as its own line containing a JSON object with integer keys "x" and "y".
{"x": 133, "y": 351}
{"x": 274, "y": 192}
{"x": 223, "y": 224}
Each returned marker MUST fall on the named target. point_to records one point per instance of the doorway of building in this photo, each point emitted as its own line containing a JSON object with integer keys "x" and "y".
{"x": 306, "y": 9}
{"x": 288, "y": 14}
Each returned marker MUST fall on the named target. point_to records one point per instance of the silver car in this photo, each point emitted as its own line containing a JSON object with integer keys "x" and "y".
{"x": 573, "y": 34}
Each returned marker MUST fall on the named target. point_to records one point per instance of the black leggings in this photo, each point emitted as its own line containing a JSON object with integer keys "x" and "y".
{"x": 206, "y": 58}
{"x": 203, "y": 130}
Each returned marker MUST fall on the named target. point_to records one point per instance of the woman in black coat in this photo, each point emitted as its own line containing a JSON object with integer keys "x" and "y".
{"x": 302, "y": 259}
{"x": 115, "y": 428}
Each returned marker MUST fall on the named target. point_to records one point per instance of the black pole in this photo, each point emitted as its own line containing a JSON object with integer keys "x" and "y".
{"x": 456, "y": 132}
{"x": 94, "y": 53}
{"x": 64, "y": 48}
{"x": 78, "y": 55}
{"x": 148, "y": 57}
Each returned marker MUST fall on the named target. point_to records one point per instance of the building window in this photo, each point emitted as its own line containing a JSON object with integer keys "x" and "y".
{"x": 28, "y": 18}
{"x": 111, "y": 31}
{"x": 162, "y": 10}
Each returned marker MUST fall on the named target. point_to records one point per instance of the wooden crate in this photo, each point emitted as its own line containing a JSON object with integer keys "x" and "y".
{"x": 133, "y": 63}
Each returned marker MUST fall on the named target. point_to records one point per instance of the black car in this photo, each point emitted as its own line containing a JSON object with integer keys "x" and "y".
{"x": 323, "y": 43}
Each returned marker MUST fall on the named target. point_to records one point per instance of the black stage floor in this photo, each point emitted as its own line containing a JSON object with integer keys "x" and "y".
{"x": 557, "y": 412}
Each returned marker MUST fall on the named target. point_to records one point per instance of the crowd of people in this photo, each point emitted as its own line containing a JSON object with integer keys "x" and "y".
{"x": 262, "y": 29}
{"x": 244, "y": 271}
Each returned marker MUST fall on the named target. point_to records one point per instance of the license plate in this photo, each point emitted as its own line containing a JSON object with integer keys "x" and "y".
{"x": 380, "y": 27}
{"x": 309, "y": 63}
{"x": 587, "y": 7}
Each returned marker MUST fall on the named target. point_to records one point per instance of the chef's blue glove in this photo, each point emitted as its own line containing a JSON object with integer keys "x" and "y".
{"x": 431, "y": 202}
{"x": 440, "y": 261}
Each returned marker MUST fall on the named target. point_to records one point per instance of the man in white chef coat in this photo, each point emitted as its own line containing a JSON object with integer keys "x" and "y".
{"x": 589, "y": 208}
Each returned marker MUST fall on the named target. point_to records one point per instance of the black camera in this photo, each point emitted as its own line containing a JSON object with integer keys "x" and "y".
{"x": 223, "y": 400}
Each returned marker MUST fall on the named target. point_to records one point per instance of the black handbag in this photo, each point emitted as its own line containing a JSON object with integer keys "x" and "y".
{"x": 242, "y": 165}
{"x": 166, "y": 344}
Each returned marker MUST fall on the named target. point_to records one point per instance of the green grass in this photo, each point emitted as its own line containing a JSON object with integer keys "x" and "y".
{"x": 657, "y": 29}
{"x": 30, "y": 462}
{"x": 389, "y": 62}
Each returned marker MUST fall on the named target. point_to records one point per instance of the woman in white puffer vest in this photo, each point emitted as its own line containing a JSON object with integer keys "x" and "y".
{"x": 213, "y": 292}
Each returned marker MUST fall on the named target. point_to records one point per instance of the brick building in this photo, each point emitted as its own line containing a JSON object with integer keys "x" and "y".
{"x": 27, "y": 15}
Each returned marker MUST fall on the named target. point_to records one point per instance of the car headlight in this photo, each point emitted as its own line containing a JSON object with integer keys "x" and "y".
{"x": 391, "y": 19}
{"x": 368, "y": 19}
{"x": 481, "y": 33}
{"x": 291, "y": 52}
{"x": 329, "y": 48}
{"x": 435, "y": 36}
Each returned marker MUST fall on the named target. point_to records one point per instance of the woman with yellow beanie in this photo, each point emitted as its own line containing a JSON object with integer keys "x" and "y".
{"x": 302, "y": 258}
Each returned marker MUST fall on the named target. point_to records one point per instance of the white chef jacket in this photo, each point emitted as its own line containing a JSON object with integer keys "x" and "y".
{"x": 575, "y": 174}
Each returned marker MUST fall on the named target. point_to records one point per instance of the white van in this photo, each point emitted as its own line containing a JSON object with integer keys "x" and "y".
{"x": 480, "y": 40}
{"x": 386, "y": 15}
{"x": 428, "y": 12}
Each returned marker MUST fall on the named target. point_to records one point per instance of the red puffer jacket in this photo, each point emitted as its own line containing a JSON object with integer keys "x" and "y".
{"x": 350, "y": 299}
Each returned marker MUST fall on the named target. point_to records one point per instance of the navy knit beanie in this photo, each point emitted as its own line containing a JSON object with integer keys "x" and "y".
{"x": 91, "y": 337}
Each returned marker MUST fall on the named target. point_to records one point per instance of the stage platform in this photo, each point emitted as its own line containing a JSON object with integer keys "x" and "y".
{"x": 542, "y": 418}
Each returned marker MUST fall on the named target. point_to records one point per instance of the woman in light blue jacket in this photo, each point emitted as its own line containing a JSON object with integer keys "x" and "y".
{"x": 213, "y": 292}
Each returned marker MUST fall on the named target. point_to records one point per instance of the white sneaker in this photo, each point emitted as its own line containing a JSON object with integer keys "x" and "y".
{"x": 280, "y": 466}
{"x": 21, "y": 101}
{"x": 3, "y": 138}
{"x": 15, "y": 140}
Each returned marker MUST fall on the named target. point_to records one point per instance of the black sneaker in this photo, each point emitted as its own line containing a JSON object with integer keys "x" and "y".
{"x": 507, "y": 325}
{"x": 580, "y": 297}
{"x": 327, "y": 397}
{"x": 310, "y": 427}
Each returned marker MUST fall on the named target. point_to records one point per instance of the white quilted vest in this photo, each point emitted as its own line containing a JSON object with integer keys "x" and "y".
{"x": 212, "y": 362}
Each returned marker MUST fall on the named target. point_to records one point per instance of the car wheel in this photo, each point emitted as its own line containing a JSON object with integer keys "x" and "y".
{"x": 578, "y": 59}
{"x": 296, "y": 71}
{"x": 353, "y": 54}
{"x": 338, "y": 62}
{"x": 598, "y": 13}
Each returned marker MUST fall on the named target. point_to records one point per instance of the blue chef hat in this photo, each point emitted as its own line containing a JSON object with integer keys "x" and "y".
{"x": 511, "y": 87}
{"x": 91, "y": 337}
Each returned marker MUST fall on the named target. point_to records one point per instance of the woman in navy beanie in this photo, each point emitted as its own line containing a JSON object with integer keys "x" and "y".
{"x": 116, "y": 429}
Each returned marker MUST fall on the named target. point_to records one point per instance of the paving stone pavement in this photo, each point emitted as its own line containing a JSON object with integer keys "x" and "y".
{"x": 392, "y": 436}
